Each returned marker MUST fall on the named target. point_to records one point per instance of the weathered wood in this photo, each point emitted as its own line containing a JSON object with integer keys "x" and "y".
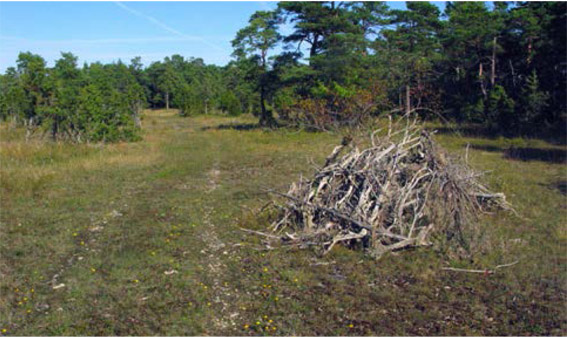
{"x": 391, "y": 195}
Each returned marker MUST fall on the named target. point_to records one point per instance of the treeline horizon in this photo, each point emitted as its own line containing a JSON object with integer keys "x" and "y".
{"x": 502, "y": 67}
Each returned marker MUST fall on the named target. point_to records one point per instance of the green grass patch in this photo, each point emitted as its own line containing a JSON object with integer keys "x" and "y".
{"x": 144, "y": 236}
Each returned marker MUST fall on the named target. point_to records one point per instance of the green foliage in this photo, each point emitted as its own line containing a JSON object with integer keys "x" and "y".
{"x": 500, "y": 109}
{"x": 94, "y": 104}
{"x": 533, "y": 101}
{"x": 230, "y": 104}
{"x": 188, "y": 100}
{"x": 251, "y": 47}
{"x": 474, "y": 62}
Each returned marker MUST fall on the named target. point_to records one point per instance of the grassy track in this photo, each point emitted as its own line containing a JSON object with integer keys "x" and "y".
{"x": 143, "y": 239}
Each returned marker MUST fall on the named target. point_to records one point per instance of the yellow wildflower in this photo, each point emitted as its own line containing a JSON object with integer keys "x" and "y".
{"x": 93, "y": 270}
{"x": 265, "y": 317}
{"x": 270, "y": 321}
{"x": 82, "y": 243}
{"x": 273, "y": 328}
{"x": 350, "y": 326}
{"x": 295, "y": 280}
{"x": 265, "y": 269}
{"x": 135, "y": 281}
{"x": 246, "y": 326}
{"x": 257, "y": 323}
{"x": 276, "y": 299}
{"x": 75, "y": 234}
{"x": 208, "y": 303}
{"x": 32, "y": 290}
{"x": 25, "y": 299}
{"x": 28, "y": 311}
{"x": 4, "y": 330}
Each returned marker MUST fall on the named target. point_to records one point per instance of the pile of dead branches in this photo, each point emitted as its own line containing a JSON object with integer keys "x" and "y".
{"x": 395, "y": 193}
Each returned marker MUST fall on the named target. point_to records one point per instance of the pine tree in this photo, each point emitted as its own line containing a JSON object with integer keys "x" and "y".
{"x": 253, "y": 43}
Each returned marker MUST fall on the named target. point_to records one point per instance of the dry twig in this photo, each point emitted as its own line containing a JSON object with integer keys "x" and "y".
{"x": 394, "y": 194}
{"x": 486, "y": 271}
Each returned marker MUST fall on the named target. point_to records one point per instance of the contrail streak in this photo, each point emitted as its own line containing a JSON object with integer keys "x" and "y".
{"x": 166, "y": 27}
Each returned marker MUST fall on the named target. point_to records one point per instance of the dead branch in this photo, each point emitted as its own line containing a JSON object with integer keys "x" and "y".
{"x": 395, "y": 194}
{"x": 485, "y": 271}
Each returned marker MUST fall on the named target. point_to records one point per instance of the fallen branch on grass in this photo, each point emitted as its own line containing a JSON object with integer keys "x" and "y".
{"x": 260, "y": 233}
{"x": 486, "y": 271}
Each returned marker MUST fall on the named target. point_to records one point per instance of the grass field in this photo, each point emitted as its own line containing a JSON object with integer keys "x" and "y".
{"x": 143, "y": 239}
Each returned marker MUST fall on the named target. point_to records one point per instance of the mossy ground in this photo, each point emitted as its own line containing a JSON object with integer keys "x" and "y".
{"x": 144, "y": 236}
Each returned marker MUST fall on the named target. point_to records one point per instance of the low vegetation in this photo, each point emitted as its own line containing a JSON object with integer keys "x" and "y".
{"x": 144, "y": 238}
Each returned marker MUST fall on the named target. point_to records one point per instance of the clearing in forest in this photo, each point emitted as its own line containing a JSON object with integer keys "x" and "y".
{"x": 143, "y": 239}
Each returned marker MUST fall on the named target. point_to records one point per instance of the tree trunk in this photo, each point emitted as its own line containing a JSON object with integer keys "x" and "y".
{"x": 513, "y": 72}
{"x": 530, "y": 47}
{"x": 136, "y": 115}
{"x": 493, "y": 64}
{"x": 408, "y": 102}
{"x": 28, "y": 124}
{"x": 263, "y": 108}
{"x": 166, "y": 100}
{"x": 137, "y": 120}
{"x": 14, "y": 121}
{"x": 266, "y": 119}
{"x": 54, "y": 129}
{"x": 314, "y": 46}
{"x": 481, "y": 80}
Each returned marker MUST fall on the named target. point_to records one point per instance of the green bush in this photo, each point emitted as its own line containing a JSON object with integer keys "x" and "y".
{"x": 230, "y": 104}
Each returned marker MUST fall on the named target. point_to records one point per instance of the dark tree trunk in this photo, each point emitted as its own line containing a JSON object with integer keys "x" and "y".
{"x": 481, "y": 80}
{"x": 408, "y": 98}
{"x": 493, "y": 64}
{"x": 314, "y": 46}
{"x": 530, "y": 47}
{"x": 54, "y": 130}
{"x": 266, "y": 119}
{"x": 166, "y": 100}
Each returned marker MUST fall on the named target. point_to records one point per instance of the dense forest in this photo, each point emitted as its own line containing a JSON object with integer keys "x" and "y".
{"x": 501, "y": 66}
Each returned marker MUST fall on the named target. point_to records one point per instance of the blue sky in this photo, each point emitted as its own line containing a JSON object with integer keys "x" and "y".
{"x": 108, "y": 31}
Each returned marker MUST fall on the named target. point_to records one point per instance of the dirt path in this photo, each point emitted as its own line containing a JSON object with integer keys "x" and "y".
{"x": 214, "y": 250}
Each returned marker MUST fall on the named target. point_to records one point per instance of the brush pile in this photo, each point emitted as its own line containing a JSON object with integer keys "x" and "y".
{"x": 397, "y": 193}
